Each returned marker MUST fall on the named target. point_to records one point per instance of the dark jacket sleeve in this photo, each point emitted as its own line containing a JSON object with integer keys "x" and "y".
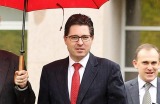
{"x": 25, "y": 97}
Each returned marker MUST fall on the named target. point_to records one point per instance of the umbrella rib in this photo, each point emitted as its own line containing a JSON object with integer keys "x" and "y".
{"x": 95, "y": 4}
{"x": 63, "y": 15}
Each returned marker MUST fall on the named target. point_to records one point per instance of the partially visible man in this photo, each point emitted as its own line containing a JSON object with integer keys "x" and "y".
{"x": 145, "y": 88}
{"x": 14, "y": 85}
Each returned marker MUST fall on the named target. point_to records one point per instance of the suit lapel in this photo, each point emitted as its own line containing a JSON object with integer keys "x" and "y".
{"x": 88, "y": 77}
{"x": 134, "y": 92}
{"x": 158, "y": 91}
{"x": 62, "y": 80}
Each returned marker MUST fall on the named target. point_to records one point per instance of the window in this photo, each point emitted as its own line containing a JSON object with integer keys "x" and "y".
{"x": 11, "y": 30}
{"x": 141, "y": 25}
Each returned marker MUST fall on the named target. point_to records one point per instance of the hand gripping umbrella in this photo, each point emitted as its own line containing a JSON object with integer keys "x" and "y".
{"x": 32, "y": 5}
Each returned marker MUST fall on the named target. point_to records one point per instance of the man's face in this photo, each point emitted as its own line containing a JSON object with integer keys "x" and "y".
{"x": 78, "y": 49}
{"x": 147, "y": 64}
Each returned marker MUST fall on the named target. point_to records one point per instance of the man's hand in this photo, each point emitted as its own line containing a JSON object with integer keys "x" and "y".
{"x": 21, "y": 78}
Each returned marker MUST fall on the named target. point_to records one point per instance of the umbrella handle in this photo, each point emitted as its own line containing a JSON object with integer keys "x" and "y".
{"x": 21, "y": 62}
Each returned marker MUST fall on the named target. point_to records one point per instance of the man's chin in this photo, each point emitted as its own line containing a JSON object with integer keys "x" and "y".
{"x": 81, "y": 54}
{"x": 150, "y": 78}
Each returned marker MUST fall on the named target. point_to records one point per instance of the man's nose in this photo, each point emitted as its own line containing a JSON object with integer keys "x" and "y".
{"x": 150, "y": 66}
{"x": 80, "y": 41}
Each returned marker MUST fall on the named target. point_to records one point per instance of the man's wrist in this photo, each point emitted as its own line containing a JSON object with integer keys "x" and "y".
{"x": 21, "y": 89}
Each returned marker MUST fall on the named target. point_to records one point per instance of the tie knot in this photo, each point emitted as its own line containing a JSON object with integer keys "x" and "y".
{"x": 77, "y": 66}
{"x": 147, "y": 86}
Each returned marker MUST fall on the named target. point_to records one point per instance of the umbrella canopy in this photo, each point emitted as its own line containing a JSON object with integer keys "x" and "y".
{"x": 48, "y": 4}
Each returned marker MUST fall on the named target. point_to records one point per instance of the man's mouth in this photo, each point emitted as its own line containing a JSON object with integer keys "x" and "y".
{"x": 79, "y": 49}
{"x": 149, "y": 72}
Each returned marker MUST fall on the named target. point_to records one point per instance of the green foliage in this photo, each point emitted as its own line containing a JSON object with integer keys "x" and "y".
{"x": 10, "y": 40}
{"x": 151, "y": 37}
{"x": 150, "y": 12}
{"x": 150, "y": 17}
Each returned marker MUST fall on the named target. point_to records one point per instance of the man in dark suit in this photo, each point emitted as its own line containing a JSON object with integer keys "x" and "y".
{"x": 147, "y": 62}
{"x": 99, "y": 80}
{"x": 14, "y": 85}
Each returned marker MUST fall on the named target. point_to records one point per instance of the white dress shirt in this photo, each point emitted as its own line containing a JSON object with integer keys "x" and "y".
{"x": 83, "y": 62}
{"x": 152, "y": 90}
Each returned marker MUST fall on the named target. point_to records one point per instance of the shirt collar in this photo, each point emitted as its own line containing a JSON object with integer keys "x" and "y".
{"x": 154, "y": 82}
{"x": 142, "y": 83}
{"x": 83, "y": 62}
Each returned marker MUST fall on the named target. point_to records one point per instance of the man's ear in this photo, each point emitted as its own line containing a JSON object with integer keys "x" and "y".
{"x": 134, "y": 62}
{"x": 93, "y": 37}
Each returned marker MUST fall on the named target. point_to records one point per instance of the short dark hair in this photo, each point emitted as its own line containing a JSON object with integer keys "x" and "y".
{"x": 79, "y": 19}
{"x": 146, "y": 46}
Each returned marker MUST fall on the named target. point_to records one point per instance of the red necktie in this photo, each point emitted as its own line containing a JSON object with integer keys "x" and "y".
{"x": 75, "y": 83}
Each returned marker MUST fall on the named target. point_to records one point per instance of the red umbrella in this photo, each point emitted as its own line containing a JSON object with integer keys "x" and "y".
{"x": 48, "y": 4}
{"x": 32, "y": 5}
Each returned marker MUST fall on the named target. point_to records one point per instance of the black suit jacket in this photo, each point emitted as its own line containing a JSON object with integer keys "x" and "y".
{"x": 8, "y": 93}
{"x": 102, "y": 83}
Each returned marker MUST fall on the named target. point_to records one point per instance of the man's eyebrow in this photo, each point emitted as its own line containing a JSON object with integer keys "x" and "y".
{"x": 148, "y": 61}
{"x": 144, "y": 61}
{"x": 154, "y": 61}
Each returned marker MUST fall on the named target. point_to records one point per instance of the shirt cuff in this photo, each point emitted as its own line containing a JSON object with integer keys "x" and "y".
{"x": 21, "y": 89}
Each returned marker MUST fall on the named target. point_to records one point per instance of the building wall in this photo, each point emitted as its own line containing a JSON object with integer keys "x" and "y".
{"x": 45, "y": 41}
{"x": 112, "y": 14}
